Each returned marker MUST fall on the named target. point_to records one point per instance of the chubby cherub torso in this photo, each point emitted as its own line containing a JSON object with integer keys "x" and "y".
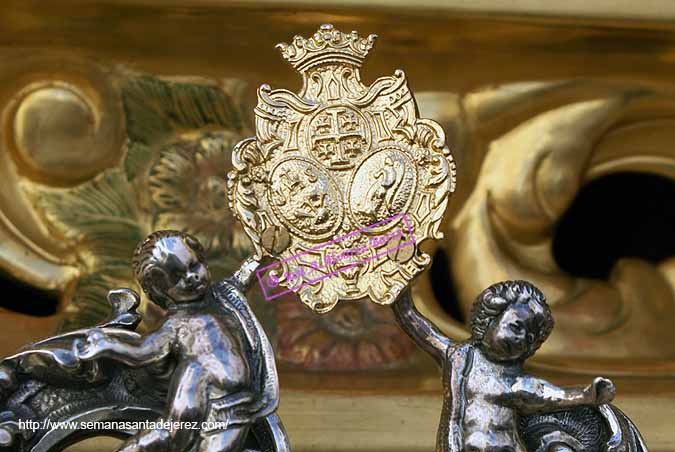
{"x": 211, "y": 341}
{"x": 488, "y": 422}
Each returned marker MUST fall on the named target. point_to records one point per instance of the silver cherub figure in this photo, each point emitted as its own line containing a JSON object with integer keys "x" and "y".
{"x": 206, "y": 376}
{"x": 491, "y": 404}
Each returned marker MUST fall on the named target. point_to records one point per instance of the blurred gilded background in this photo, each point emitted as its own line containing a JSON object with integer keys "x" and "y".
{"x": 118, "y": 118}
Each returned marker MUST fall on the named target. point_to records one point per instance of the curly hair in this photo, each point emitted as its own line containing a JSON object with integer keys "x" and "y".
{"x": 145, "y": 259}
{"x": 495, "y": 299}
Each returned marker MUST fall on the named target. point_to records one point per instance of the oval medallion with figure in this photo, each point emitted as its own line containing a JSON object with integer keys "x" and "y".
{"x": 305, "y": 198}
{"x": 382, "y": 186}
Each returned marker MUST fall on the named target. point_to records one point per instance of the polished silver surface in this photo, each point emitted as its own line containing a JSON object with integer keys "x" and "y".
{"x": 205, "y": 379}
{"x": 492, "y": 404}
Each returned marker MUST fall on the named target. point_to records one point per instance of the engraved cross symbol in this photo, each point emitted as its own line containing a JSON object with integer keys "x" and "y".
{"x": 338, "y": 137}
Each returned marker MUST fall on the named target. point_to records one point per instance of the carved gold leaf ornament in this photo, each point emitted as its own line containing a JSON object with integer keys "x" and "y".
{"x": 172, "y": 175}
{"x": 335, "y": 158}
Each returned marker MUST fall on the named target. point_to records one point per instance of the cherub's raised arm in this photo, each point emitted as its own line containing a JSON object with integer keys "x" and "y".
{"x": 531, "y": 395}
{"x": 419, "y": 328}
{"x": 148, "y": 349}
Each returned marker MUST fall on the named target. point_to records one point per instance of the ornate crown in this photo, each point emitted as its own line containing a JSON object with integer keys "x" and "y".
{"x": 326, "y": 46}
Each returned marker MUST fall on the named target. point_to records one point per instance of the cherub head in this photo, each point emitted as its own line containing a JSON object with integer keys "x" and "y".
{"x": 171, "y": 268}
{"x": 510, "y": 320}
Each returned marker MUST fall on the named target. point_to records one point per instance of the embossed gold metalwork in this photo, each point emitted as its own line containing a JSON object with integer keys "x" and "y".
{"x": 337, "y": 157}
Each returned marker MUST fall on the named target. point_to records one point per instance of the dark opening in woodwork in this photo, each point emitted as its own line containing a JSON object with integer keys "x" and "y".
{"x": 25, "y": 299}
{"x": 443, "y": 285}
{"x": 616, "y": 216}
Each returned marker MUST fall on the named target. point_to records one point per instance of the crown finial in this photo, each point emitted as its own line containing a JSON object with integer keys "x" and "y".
{"x": 327, "y": 45}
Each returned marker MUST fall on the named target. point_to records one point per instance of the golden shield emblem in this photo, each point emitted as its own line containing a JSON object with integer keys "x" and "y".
{"x": 342, "y": 181}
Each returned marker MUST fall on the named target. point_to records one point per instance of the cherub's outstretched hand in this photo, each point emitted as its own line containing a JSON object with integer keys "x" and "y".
{"x": 602, "y": 390}
{"x": 92, "y": 347}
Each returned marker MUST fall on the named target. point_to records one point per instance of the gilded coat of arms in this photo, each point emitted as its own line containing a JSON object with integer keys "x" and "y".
{"x": 334, "y": 169}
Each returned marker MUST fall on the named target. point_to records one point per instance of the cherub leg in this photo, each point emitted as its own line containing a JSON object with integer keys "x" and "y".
{"x": 228, "y": 440}
{"x": 189, "y": 403}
